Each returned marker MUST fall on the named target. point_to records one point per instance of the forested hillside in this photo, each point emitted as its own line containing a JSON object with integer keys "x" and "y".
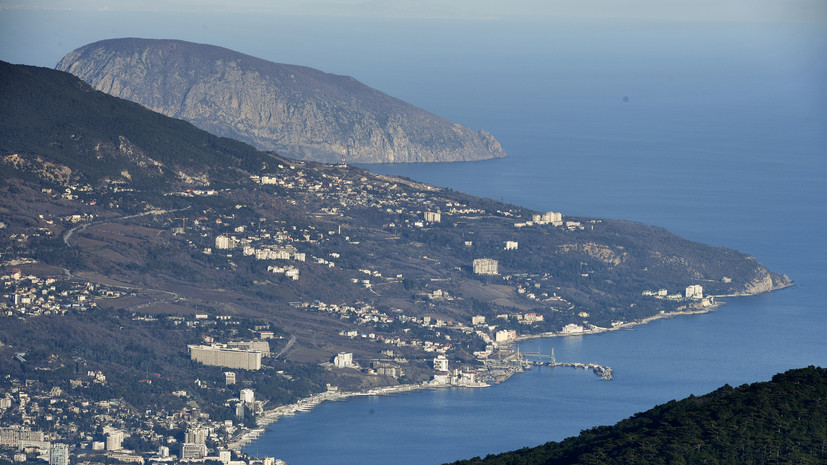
{"x": 783, "y": 421}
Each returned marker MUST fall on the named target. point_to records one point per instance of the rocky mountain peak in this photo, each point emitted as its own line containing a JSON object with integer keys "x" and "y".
{"x": 294, "y": 110}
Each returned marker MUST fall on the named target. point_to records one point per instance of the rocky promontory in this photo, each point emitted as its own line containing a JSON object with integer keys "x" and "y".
{"x": 293, "y": 110}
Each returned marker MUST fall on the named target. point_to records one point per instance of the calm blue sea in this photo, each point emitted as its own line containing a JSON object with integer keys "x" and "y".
{"x": 717, "y": 133}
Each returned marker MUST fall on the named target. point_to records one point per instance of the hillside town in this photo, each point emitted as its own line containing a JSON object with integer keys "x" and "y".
{"x": 426, "y": 288}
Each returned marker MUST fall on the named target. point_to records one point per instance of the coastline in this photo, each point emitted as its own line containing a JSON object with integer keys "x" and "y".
{"x": 622, "y": 326}
{"x": 630, "y": 324}
{"x": 308, "y": 403}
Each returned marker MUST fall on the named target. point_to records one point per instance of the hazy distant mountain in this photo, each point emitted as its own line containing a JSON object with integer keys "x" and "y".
{"x": 294, "y": 110}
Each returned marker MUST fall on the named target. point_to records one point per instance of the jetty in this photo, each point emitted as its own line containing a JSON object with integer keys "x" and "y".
{"x": 538, "y": 359}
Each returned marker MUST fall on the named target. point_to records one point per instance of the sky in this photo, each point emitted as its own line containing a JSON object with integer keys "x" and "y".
{"x": 706, "y": 10}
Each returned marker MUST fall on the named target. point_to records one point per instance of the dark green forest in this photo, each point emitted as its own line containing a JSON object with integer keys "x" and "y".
{"x": 782, "y": 421}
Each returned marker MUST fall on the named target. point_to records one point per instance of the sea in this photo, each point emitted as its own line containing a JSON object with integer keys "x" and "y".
{"x": 714, "y": 130}
{"x": 717, "y": 133}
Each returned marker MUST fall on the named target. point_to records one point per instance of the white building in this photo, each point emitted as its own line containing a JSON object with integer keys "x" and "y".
{"x": 114, "y": 440}
{"x": 505, "y": 335}
{"x": 695, "y": 292}
{"x": 224, "y": 242}
{"x": 485, "y": 266}
{"x": 217, "y": 355}
{"x": 343, "y": 360}
{"x": 433, "y": 217}
{"x": 248, "y": 396}
{"x": 572, "y": 328}
{"x": 261, "y": 346}
{"x": 197, "y": 435}
{"x": 59, "y": 454}
{"x": 553, "y": 218}
{"x": 477, "y": 320}
{"x": 441, "y": 363}
{"x": 511, "y": 245}
{"x": 193, "y": 451}
{"x": 229, "y": 378}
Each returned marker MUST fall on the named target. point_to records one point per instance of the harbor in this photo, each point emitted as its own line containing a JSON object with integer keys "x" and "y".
{"x": 510, "y": 362}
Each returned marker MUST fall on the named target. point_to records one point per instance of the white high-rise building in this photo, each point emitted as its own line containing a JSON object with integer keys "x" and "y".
{"x": 114, "y": 440}
{"x": 248, "y": 396}
{"x": 695, "y": 292}
{"x": 441, "y": 363}
{"x": 59, "y": 454}
{"x": 197, "y": 435}
{"x": 343, "y": 360}
{"x": 224, "y": 242}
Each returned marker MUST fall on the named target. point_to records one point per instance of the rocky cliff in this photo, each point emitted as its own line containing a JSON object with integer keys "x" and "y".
{"x": 294, "y": 110}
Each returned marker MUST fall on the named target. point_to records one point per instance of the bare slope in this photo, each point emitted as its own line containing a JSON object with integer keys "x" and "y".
{"x": 294, "y": 110}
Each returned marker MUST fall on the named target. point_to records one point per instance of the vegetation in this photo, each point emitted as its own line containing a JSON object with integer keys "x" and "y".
{"x": 783, "y": 421}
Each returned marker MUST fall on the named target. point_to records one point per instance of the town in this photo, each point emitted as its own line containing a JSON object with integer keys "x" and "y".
{"x": 186, "y": 319}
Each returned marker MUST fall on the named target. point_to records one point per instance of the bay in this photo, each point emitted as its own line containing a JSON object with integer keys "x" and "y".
{"x": 727, "y": 149}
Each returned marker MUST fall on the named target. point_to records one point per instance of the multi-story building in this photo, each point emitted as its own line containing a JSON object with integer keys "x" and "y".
{"x": 485, "y": 266}
{"x": 217, "y": 355}
{"x": 440, "y": 363}
{"x": 59, "y": 454}
{"x": 191, "y": 451}
{"x": 261, "y": 346}
{"x": 343, "y": 360}
{"x": 695, "y": 292}
{"x": 553, "y": 218}
{"x": 433, "y": 217}
{"x": 224, "y": 242}
{"x": 114, "y": 440}
{"x": 197, "y": 435}
{"x": 248, "y": 396}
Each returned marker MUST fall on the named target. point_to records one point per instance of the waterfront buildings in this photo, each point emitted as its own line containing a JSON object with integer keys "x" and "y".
{"x": 441, "y": 363}
{"x": 695, "y": 292}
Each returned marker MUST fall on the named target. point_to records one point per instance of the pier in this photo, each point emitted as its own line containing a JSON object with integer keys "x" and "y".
{"x": 538, "y": 359}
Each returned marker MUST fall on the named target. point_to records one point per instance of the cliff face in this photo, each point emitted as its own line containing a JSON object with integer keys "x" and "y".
{"x": 297, "y": 111}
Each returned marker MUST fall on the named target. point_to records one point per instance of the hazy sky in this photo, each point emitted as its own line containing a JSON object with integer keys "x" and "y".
{"x": 709, "y": 10}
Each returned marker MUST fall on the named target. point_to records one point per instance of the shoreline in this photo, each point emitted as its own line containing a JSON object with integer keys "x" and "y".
{"x": 307, "y": 404}
{"x": 630, "y": 324}
{"x": 626, "y": 325}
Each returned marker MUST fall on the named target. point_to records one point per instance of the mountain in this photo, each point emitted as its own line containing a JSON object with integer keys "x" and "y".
{"x": 780, "y": 421}
{"x": 296, "y": 111}
{"x": 60, "y": 128}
